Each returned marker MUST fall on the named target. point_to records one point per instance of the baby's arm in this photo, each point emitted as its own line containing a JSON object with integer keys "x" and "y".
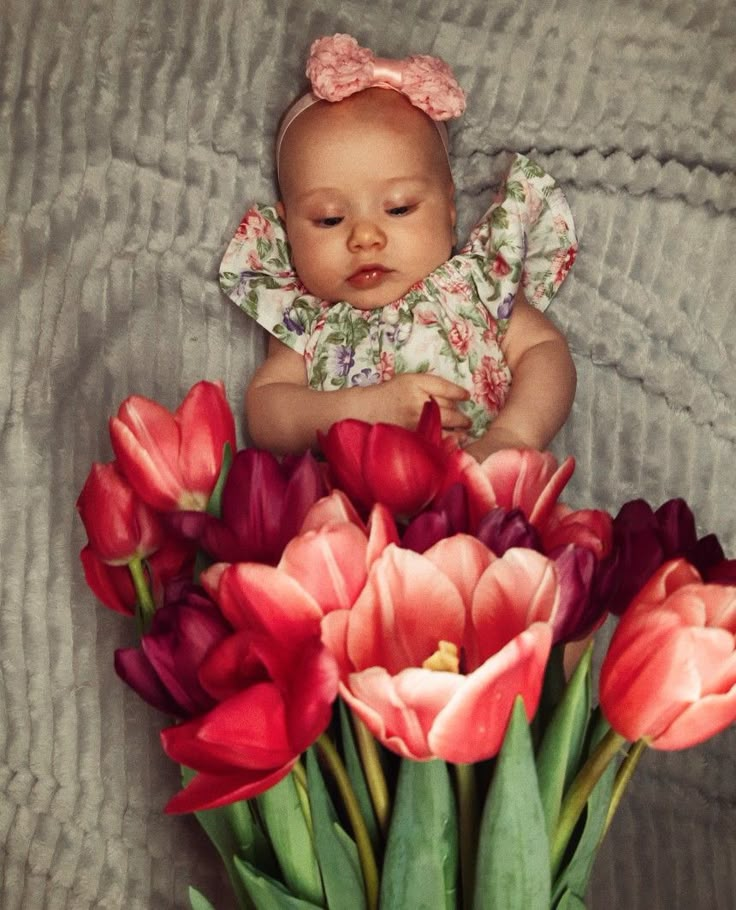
{"x": 542, "y": 387}
{"x": 284, "y": 414}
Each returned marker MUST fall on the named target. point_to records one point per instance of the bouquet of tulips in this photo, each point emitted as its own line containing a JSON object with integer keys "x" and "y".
{"x": 363, "y": 656}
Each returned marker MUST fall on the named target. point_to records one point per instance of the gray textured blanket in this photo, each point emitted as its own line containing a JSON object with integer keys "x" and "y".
{"x": 133, "y": 133}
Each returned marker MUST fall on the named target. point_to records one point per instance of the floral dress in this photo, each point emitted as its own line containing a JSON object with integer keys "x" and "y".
{"x": 451, "y": 323}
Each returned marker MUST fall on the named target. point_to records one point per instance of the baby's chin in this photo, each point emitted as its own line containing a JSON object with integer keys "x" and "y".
{"x": 375, "y": 298}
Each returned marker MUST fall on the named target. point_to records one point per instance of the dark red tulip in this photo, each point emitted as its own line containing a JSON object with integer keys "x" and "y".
{"x": 164, "y": 670}
{"x": 264, "y": 503}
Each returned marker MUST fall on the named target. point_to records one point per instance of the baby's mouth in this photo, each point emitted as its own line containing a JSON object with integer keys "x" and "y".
{"x": 368, "y": 276}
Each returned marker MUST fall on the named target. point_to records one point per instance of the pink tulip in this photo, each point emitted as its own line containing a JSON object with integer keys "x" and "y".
{"x": 120, "y": 527}
{"x": 173, "y": 460}
{"x": 482, "y": 623}
{"x": 669, "y": 676}
{"x": 384, "y": 463}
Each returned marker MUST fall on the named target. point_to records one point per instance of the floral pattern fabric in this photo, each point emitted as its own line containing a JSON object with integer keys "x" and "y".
{"x": 451, "y": 323}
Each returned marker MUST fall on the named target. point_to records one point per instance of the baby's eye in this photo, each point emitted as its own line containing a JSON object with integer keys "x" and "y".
{"x": 331, "y": 221}
{"x": 400, "y": 209}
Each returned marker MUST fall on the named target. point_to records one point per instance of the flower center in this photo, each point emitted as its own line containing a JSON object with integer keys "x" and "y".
{"x": 445, "y": 658}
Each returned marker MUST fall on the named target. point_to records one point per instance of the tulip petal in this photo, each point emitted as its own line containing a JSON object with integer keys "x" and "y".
{"x": 333, "y": 508}
{"x": 145, "y": 439}
{"x": 313, "y": 689}
{"x": 516, "y": 590}
{"x": 135, "y": 670}
{"x": 372, "y": 696}
{"x": 343, "y": 448}
{"x": 247, "y": 730}
{"x": 462, "y": 559}
{"x": 405, "y": 608}
{"x": 330, "y": 564}
{"x": 472, "y": 725}
{"x": 205, "y": 424}
{"x": 112, "y": 585}
{"x": 401, "y": 470}
{"x": 262, "y": 598}
{"x": 699, "y": 722}
{"x": 382, "y": 531}
{"x": 210, "y": 791}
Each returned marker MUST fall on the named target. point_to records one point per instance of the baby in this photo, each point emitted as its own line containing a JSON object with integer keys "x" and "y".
{"x": 353, "y": 275}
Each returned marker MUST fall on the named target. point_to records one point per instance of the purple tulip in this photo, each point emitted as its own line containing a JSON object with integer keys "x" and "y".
{"x": 578, "y": 612}
{"x": 448, "y": 515}
{"x": 500, "y": 530}
{"x": 164, "y": 670}
{"x": 644, "y": 540}
{"x": 264, "y": 503}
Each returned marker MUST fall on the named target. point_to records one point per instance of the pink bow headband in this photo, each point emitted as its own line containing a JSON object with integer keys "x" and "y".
{"x": 339, "y": 67}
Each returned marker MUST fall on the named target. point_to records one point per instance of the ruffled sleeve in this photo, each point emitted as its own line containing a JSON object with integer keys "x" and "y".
{"x": 256, "y": 274}
{"x": 526, "y": 239}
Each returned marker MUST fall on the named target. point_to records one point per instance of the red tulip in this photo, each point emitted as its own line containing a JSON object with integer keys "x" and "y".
{"x": 669, "y": 676}
{"x": 275, "y": 683}
{"x": 384, "y": 463}
{"x": 120, "y": 527}
{"x": 173, "y": 460}
{"x": 437, "y": 646}
{"x": 264, "y": 503}
{"x": 113, "y": 585}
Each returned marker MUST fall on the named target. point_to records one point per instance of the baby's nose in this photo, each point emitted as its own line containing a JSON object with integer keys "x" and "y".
{"x": 366, "y": 234}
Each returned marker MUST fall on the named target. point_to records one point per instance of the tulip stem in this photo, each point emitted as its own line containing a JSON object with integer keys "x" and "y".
{"x": 577, "y": 796}
{"x": 362, "y": 839}
{"x": 624, "y": 775}
{"x": 144, "y": 607}
{"x": 374, "y": 775}
{"x": 467, "y": 800}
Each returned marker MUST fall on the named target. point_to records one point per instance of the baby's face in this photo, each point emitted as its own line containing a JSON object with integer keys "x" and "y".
{"x": 367, "y": 198}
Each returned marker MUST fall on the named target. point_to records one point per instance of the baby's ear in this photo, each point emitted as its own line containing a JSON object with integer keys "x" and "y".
{"x": 280, "y": 210}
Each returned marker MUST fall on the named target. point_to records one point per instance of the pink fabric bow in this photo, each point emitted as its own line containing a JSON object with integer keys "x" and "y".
{"x": 339, "y": 67}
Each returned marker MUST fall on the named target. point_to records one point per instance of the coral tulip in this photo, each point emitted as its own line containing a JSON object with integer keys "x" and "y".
{"x": 669, "y": 676}
{"x": 173, "y": 460}
{"x": 437, "y": 646}
{"x": 120, "y": 527}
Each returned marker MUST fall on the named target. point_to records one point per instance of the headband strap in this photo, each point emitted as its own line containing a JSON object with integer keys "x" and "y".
{"x": 339, "y": 67}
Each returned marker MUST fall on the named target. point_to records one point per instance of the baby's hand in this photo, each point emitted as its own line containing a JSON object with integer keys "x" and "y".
{"x": 400, "y": 400}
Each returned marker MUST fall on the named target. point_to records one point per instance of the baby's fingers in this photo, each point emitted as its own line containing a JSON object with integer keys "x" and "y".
{"x": 440, "y": 388}
{"x": 450, "y": 417}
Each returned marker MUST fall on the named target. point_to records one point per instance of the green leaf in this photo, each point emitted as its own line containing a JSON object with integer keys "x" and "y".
{"x": 214, "y": 506}
{"x": 338, "y": 857}
{"x": 234, "y": 832}
{"x": 513, "y": 848}
{"x": 570, "y": 901}
{"x": 291, "y": 838}
{"x": 421, "y": 862}
{"x": 356, "y": 775}
{"x": 268, "y": 894}
{"x": 562, "y": 744}
{"x": 575, "y": 875}
{"x": 198, "y": 901}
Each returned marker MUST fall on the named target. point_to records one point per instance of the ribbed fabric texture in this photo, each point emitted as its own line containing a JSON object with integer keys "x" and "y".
{"x": 133, "y": 135}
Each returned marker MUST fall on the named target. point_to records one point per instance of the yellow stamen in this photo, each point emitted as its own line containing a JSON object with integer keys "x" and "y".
{"x": 445, "y": 658}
